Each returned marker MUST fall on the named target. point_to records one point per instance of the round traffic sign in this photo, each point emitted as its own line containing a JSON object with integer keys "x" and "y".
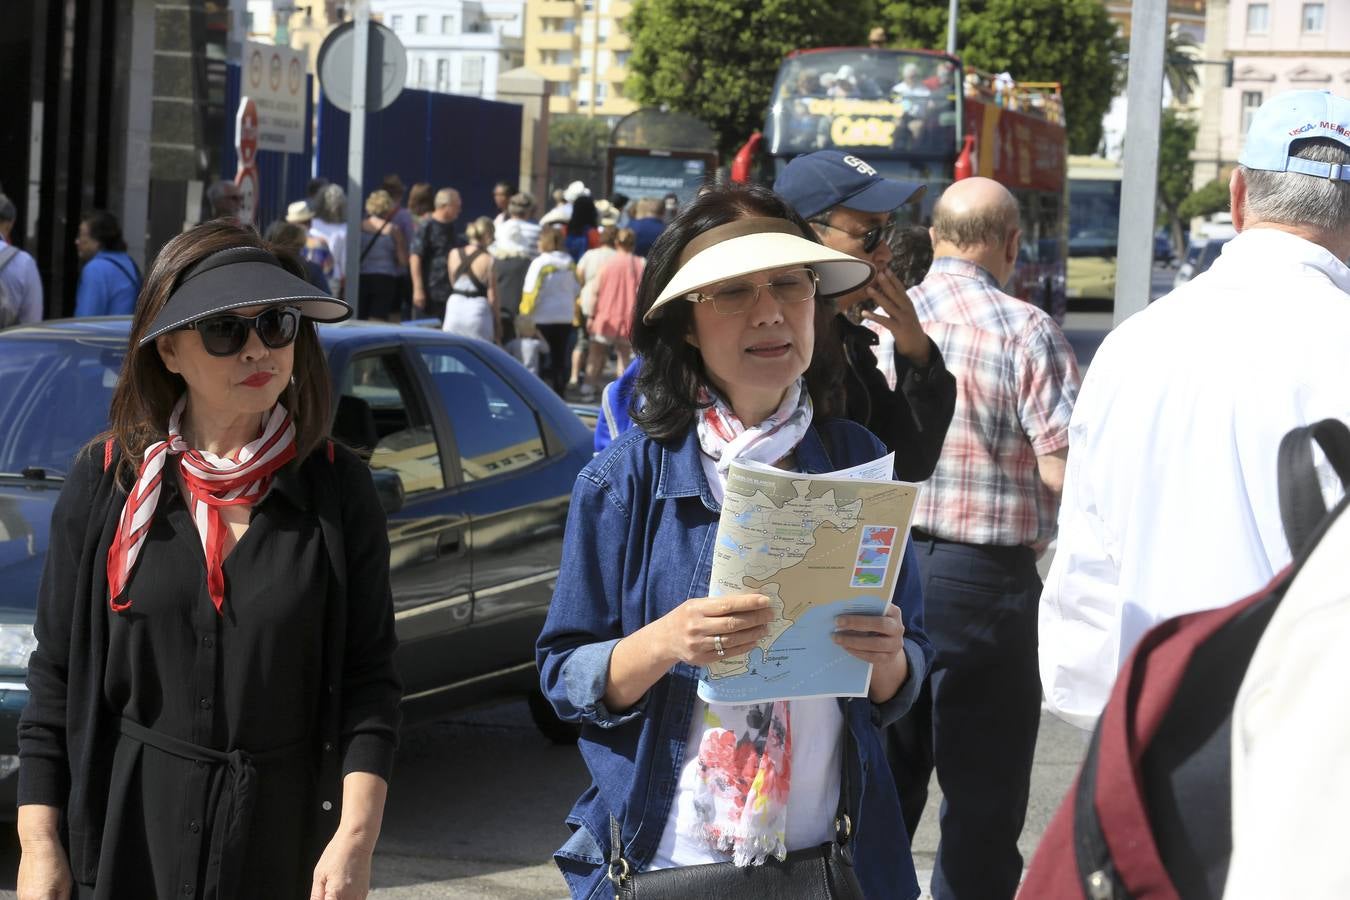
{"x": 246, "y": 133}
{"x": 386, "y": 68}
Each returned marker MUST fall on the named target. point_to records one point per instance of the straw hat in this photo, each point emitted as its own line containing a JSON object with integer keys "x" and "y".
{"x": 299, "y": 212}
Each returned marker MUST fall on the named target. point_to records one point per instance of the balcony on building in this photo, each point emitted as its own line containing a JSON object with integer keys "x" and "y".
{"x": 557, "y": 9}
{"x": 556, "y": 71}
{"x": 554, "y": 40}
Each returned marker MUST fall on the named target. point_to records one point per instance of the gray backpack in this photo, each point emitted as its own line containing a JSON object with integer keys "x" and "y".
{"x": 9, "y": 304}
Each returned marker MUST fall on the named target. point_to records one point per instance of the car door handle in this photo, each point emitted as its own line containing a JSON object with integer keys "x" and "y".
{"x": 447, "y": 544}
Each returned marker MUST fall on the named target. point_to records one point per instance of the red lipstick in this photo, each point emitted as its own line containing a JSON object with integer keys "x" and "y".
{"x": 258, "y": 379}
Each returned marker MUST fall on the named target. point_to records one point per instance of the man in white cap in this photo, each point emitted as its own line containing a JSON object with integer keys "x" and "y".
{"x": 1170, "y": 498}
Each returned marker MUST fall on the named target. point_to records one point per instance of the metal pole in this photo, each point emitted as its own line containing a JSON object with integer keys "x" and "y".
{"x": 1139, "y": 186}
{"x": 356, "y": 148}
{"x": 951, "y": 26}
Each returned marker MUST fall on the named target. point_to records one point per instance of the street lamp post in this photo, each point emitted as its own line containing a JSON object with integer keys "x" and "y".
{"x": 952, "y": 10}
{"x": 1139, "y": 185}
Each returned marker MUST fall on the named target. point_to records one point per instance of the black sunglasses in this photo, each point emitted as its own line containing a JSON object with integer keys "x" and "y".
{"x": 870, "y": 238}
{"x": 226, "y": 334}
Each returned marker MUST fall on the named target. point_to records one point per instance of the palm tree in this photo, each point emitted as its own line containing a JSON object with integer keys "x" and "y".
{"x": 1179, "y": 65}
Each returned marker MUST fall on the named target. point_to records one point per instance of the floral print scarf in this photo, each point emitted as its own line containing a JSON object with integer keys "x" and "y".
{"x": 745, "y": 752}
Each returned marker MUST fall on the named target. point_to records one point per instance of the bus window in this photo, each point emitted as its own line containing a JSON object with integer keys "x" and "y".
{"x": 864, "y": 99}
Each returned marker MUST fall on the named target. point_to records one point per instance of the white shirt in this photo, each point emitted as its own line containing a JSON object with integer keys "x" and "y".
{"x": 22, "y": 284}
{"x": 550, "y": 288}
{"x": 813, "y": 796}
{"x": 588, "y": 270}
{"x": 1291, "y": 741}
{"x": 335, "y": 233}
{"x": 1170, "y": 503}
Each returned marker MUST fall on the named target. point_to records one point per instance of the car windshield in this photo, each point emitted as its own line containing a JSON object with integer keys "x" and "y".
{"x": 55, "y": 400}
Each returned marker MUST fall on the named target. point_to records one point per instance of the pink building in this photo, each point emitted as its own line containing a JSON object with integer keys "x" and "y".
{"x": 1275, "y": 46}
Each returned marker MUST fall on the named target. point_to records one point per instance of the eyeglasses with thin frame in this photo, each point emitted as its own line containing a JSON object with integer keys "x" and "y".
{"x": 226, "y": 334}
{"x": 871, "y": 238}
{"x": 739, "y": 295}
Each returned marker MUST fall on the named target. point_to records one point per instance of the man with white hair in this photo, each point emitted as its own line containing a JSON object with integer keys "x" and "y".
{"x": 1170, "y": 499}
{"x": 429, "y": 256}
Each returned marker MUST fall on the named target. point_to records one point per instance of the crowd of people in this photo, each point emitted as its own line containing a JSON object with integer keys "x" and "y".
{"x": 794, "y": 327}
{"x": 535, "y": 285}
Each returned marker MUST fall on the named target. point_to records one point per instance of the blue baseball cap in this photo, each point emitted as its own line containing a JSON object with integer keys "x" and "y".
{"x": 828, "y": 178}
{"x": 1295, "y": 116}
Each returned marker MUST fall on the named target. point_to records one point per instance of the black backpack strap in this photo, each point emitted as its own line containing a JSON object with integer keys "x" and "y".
{"x": 1096, "y": 869}
{"x": 1302, "y": 506}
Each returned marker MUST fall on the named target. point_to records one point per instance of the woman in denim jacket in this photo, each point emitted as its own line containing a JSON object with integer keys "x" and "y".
{"x": 724, "y": 376}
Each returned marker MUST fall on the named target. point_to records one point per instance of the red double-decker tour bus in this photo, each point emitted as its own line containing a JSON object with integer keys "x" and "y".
{"x": 920, "y": 115}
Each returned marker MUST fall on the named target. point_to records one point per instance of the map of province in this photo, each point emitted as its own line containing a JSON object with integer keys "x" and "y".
{"x": 802, "y": 541}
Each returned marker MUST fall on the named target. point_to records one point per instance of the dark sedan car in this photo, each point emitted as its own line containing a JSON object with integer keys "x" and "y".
{"x": 474, "y": 459}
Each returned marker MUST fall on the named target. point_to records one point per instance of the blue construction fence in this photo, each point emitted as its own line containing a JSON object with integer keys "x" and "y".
{"x": 444, "y": 139}
{"x": 282, "y": 177}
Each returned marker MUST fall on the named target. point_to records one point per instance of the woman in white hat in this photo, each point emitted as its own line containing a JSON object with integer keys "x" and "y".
{"x": 733, "y": 801}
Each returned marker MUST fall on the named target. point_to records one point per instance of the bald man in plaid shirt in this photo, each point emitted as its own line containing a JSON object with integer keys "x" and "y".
{"x": 983, "y": 519}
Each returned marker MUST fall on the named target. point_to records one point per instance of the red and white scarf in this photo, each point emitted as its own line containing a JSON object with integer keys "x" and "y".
{"x": 211, "y": 482}
{"x": 745, "y": 752}
{"x": 723, "y": 437}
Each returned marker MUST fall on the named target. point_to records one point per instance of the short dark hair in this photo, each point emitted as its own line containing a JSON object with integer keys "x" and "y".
{"x": 672, "y": 372}
{"x": 506, "y": 186}
{"x": 7, "y": 211}
{"x": 911, "y": 254}
{"x": 315, "y": 186}
{"x": 104, "y": 228}
{"x": 393, "y": 186}
{"x": 619, "y": 201}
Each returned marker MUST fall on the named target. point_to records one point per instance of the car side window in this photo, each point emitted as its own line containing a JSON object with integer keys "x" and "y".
{"x": 381, "y": 416}
{"x": 496, "y": 431}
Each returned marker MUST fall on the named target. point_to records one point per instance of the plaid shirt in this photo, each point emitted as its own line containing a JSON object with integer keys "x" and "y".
{"x": 1017, "y": 380}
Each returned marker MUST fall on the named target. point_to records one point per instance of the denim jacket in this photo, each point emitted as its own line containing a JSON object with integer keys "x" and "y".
{"x": 640, "y": 536}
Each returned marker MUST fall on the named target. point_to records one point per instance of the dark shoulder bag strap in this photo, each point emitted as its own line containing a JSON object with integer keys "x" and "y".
{"x": 1096, "y": 870}
{"x": 371, "y": 243}
{"x": 1302, "y": 506}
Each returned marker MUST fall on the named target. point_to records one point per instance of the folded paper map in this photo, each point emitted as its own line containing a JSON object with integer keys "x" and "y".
{"x": 818, "y": 546}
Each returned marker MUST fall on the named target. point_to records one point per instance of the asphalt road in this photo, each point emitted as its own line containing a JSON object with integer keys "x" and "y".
{"x": 477, "y": 802}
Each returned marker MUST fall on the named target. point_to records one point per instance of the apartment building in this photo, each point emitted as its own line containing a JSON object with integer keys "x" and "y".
{"x": 1275, "y": 46}
{"x": 580, "y": 48}
{"x": 457, "y": 46}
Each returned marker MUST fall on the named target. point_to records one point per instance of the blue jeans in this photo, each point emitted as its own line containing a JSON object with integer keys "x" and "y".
{"x": 976, "y": 718}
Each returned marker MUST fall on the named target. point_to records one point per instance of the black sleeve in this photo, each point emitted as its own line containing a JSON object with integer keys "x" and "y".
{"x": 44, "y": 772}
{"x": 929, "y": 395}
{"x": 371, "y": 688}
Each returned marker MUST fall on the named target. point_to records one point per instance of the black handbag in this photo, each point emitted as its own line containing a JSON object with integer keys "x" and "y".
{"x": 817, "y": 873}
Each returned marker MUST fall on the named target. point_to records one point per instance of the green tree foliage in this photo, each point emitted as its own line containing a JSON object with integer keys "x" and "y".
{"x": 1205, "y": 201}
{"x": 1179, "y": 66}
{"x": 1073, "y": 42}
{"x": 577, "y": 139}
{"x": 716, "y": 59}
{"x": 1175, "y": 144}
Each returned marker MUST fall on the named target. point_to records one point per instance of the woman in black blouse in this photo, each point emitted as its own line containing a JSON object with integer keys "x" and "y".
{"x": 213, "y": 703}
